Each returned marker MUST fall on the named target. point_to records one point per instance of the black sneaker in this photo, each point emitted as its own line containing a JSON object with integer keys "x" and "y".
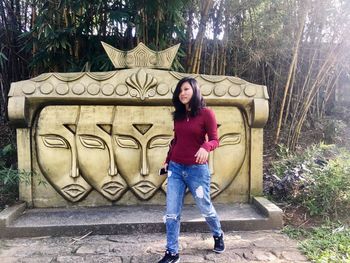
{"x": 219, "y": 245}
{"x": 170, "y": 258}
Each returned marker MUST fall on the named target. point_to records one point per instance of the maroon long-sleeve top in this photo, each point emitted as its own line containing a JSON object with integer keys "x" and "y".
{"x": 190, "y": 135}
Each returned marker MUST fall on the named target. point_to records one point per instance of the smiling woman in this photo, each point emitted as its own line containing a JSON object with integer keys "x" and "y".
{"x": 185, "y": 95}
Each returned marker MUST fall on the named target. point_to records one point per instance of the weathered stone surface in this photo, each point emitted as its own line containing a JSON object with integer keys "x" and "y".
{"x": 293, "y": 255}
{"x": 103, "y": 259}
{"x": 228, "y": 256}
{"x": 70, "y": 259}
{"x": 37, "y": 259}
{"x": 92, "y": 249}
{"x": 8, "y": 259}
{"x": 267, "y": 242}
{"x": 195, "y": 247}
{"x": 192, "y": 259}
{"x": 264, "y": 255}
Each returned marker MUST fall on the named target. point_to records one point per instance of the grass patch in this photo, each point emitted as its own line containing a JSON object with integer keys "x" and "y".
{"x": 326, "y": 243}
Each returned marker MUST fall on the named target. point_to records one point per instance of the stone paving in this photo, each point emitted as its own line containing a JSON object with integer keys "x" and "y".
{"x": 259, "y": 246}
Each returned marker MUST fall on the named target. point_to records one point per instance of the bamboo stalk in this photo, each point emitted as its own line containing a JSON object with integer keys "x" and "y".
{"x": 290, "y": 94}
{"x": 313, "y": 91}
{"x": 293, "y": 64}
{"x": 195, "y": 61}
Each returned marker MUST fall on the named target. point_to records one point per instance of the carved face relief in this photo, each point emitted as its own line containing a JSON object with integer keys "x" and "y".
{"x": 226, "y": 161}
{"x": 142, "y": 136}
{"x": 57, "y": 152}
{"x": 95, "y": 151}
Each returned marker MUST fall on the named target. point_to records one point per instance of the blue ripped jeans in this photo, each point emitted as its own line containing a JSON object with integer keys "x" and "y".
{"x": 197, "y": 179}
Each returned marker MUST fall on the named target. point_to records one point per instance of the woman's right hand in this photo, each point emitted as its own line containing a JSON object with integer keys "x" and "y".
{"x": 164, "y": 170}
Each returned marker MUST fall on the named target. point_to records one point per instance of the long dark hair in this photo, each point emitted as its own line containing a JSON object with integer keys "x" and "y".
{"x": 196, "y": 103}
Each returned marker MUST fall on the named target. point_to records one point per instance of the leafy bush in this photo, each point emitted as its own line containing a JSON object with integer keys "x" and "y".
{"x": 8, "y": 189}
{"x": 333, "y": 130}
{"x": 6, "y": 154}
{"x": 9, "y": 176}
{"x": 310, "y": 157}
{"x": 329, "y": 191}
{"x": 318, "y": 179}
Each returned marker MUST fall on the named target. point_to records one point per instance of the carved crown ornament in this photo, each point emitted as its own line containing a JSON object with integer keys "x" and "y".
{"x": 141, "y": 56}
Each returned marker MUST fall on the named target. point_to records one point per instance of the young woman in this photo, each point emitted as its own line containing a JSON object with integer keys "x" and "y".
{"x": 195, "y": 136}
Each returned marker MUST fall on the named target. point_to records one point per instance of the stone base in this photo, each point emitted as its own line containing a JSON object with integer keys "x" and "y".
{"x": 17, "y": 222}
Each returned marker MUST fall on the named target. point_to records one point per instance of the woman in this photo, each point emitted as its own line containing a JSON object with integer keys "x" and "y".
{"x": 187, "y": 166}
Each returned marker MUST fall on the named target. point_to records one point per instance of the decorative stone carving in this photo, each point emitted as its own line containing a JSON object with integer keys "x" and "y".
{"x": 57, "y": 152}
{"x": 96, "y": 151}
{"x": 78, "y": 89}
{"x": 206, "y": 89}
{"x": 162, "y": 89}
{"x": 114, "y": 134}
{"x": 179, "y": 75}
{"x": 236, "y": 80}
{"x": 107, "y": 89}
{"x": 226, "y": 161}
{"x": 121, "y": 89}
{"x": 93, "y": 89}
{"x": 213, "y": 79}
{"x": 250, "y": 90}
{"x": 220, "y": 90}
{"x": 234, "y": 90}
{"x": 29, "y": 88}
{"x": 142, "y": 84}
{"x": 62, "y": 89}
{"x": 141, "y": 144}
{"x": 141, "y": 56}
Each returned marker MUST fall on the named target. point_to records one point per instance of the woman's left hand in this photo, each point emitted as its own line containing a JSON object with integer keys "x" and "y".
{"x": 201, "y": 156}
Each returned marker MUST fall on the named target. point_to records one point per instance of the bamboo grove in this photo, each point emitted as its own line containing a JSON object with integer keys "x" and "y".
{"x": 299, "y": 49}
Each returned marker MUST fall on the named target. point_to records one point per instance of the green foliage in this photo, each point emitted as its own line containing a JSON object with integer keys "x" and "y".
{"x": 6, "y": 154}
{"x": 66, "y": 35}
{"x": 333, "y": 130}
{"x": 327, "y": 243}
{"x": 318, "y": 179}
{"x": 329, "y": 194}
{"x": 294, "y": 232}
{"x": 9, "y": 176}
{"x": 287, "y": 160}
{"x": 3, "y": 58}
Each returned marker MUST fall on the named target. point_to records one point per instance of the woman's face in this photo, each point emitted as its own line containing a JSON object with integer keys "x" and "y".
{"x": 186, "y": 93}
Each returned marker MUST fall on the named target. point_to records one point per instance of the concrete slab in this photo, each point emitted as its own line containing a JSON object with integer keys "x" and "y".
{"x": 11, "y": 213}
{"x": 260, "y": 215}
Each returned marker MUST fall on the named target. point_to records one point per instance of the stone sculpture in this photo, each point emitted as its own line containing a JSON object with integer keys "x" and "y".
{"x": 100, "y": 138}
